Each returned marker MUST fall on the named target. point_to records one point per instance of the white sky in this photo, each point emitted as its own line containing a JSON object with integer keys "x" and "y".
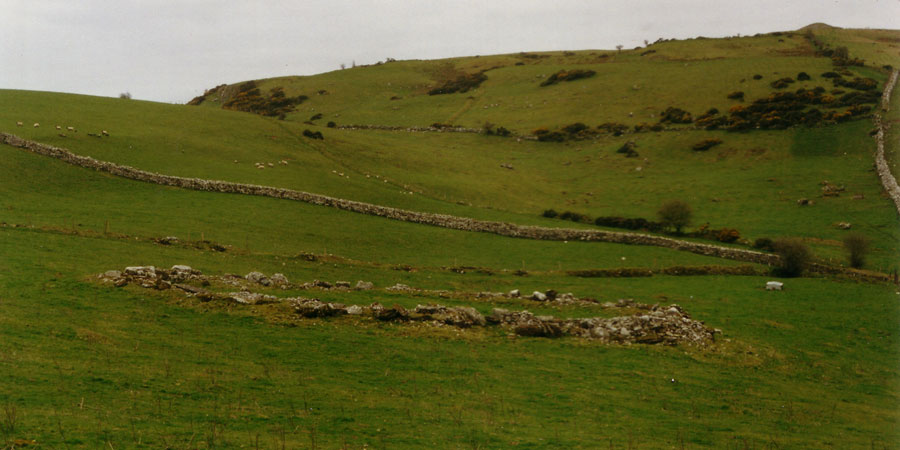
{"x": 171, "y": 50}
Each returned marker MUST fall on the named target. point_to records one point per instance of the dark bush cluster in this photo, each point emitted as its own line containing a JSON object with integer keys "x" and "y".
{"x": 574, "y": 217}
{"x": 782, "y": 83}
{"x": 802, "y": 76}
{"x": 628, "y": 223}
{"x": 706, "y": 144}
{"x": 493, "y": 130}
{"x": 711, "y": 120}
{"x": 616, "y": 129}
{"x": 727, "y": 235}
{"x": 644, "y": 126}
{"x": 331, "y": 124}
{"x": 567, "y": 75}
{"x": 545, "y": 135}
{"x": 736, "y": 95}
{"x": 201, "y": 98}
{"x": 250, "y": 99}
{"x": 462, "y": 83}
{"x": 784, "y": 109}
{"x": 313, "y": 134}
{"x": 675, "y": 115}
{"x": 315, "y": 117}
{"x": 575, "y": 128}
{"x": 860, "y": 84}
{"x": 550, "y": 213}
{"x": 763, "y": 244}
{"x": 757, "y": 77}
{"x": 628, "y": 149}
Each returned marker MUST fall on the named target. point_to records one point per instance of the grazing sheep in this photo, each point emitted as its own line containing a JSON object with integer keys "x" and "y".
{"x": 105, "y": 133}
{"x": 58, "y": 127}
{"x": 72, "y": 129}
{"x": 271, "y": 165}
{"x": 19, "y": 124}
{"x": 37, "y": 125}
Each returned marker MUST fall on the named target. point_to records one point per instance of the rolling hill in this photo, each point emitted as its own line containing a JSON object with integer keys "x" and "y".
{"x": 502, "y": 138}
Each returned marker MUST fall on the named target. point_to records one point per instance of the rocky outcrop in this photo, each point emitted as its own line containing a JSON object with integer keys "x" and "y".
{"x": 881, "y": 164}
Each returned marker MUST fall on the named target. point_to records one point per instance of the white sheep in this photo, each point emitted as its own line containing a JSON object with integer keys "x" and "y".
{"x": 58, "y": 127}
{"x": 37, "y": 125}
{"x": 104, "y": 132}
{"x": 271, "y": 165}
{"x": 72, "y": 129}
{"x": 19, "y": 123}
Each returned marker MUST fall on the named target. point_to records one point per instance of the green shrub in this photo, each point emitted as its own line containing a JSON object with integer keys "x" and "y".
{"x": 567, "y": 75}
{"x": 617, "y": 129}
{"x": 550, "y": 214}
{"x": 782, "y": 83}
{"x": 795, "y": 257}
{"x": 675, "y": 115}
{"x": 331, "y": 125}
{"x": 628, "y": 149}
{"x": 763, "y": 244}
{"x": 462, "y": 83}
{"x": 728, "y": 235}
{"x": 706, "y": 144}
{"x": 857, "y": 247}
{"x": 313, "y": 134}
{"x": 736, "y": 95}
{"x": 802, "y": 76}
{"x": 675, "y": 214}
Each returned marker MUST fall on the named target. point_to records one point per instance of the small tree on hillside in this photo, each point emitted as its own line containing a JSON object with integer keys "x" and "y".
{"x": 795, "y": 256}
{"x": 857, "y": 246}
{"x": 125, "y": 95}
{"x": 675, "y": 214}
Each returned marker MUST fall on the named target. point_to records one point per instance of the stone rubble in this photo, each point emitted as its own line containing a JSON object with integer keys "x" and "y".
{"x": 653, "y": 324}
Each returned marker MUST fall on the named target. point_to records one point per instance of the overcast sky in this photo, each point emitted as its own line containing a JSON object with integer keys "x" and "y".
{"x": 171, "y": 50}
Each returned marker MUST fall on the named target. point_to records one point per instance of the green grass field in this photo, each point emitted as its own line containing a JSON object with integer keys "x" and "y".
{"x": 88, "y": 365}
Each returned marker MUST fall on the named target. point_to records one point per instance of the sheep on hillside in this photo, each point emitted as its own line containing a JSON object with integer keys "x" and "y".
{"x": 72, "y": 129}
{"x": 58, "y": 127}
{"x": 104, "y": 132}
{"x": 19, "y": 123}
{"x": 36, "y": 125}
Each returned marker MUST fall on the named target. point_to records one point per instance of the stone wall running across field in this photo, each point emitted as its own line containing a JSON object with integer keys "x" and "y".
{"x": 881, "y": 165}
{"x": 440, "y": 220}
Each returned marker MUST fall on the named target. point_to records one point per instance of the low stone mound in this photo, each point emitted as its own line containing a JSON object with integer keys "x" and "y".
{"x": 458, "y": 316}
{"x": 653, "y": 324}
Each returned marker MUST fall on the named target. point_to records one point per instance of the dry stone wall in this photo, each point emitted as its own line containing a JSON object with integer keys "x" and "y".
{"x": 881, "y": 165}
{"x": 439, "y": 220}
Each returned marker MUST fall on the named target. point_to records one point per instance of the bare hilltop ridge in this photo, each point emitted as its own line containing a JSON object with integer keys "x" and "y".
{"x": 688, "y": 244}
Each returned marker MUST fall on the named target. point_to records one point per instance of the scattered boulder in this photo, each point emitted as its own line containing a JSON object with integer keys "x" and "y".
{"x": 312, "y": 308}
{"x": 250, "y": 298}
{"x": 394, "y": 313}
{"x": 111, "y": 274}
{"x": 514, "y": 293}
{"x": 539, "y": 296}
{"x": 180, "y": 273}
{"x": 322, "y": 284}
{"x": 342, "y": 284}
{"x": 141, "y": 271}
{"x": 364, "y": 285}
{"x": 459, "y": 316}
{"x": 278, "y": 279}
{"x": 258, "y": 278}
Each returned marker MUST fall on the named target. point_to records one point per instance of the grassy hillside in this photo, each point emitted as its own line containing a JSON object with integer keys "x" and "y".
{"x": 90, "y": 365}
